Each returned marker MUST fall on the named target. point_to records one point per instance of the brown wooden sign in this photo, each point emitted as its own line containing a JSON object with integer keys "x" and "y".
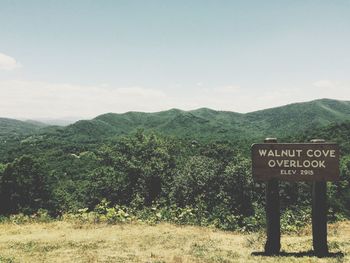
{"x": 295, "y": 161}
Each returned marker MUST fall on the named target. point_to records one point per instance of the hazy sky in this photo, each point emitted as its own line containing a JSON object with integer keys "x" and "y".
{"x": 84, "y": 58}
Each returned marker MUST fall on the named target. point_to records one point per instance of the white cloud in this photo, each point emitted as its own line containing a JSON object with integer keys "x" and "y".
{"x": 324, "y": 83}
{"x": 332, "y": 89}
{"x": 230, "y": 89}
{"x": 28, "y": 99}
{"x": 239, "y": 99}
{"x": 8, "y": 63}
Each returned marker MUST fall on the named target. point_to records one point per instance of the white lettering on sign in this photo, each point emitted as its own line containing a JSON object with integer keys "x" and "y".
{"x": 297, "y": 163}
{"x": 310, "y": 155}
{"x": 280, "y": 153}
{"x": 297, "y": 153}
{"x": 320, "y": 153}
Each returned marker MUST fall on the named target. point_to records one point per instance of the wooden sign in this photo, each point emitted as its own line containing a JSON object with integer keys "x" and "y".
{"x": 295, "y": 161}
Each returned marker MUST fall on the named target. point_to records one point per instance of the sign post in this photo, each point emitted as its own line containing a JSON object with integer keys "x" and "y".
{"x": 273, "y": 242}
{"x": 316, "y": 162}
{"x": 319, "y": 216}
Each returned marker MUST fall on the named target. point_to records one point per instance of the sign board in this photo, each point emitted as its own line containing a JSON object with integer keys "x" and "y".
{"x": 295, "y": 161}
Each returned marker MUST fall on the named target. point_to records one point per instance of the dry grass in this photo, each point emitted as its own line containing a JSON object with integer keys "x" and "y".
{"x": 68, "y": 242}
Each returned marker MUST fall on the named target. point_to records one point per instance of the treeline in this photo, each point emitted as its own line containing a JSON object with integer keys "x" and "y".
{"x": 142, "y": 171}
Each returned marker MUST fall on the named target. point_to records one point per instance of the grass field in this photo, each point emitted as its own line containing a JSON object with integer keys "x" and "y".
{"x": 71, "y": 242}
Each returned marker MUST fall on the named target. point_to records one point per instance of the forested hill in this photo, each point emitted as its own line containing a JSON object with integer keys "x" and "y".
{"x": 207, "y": 124}
{"x": 298, "y": 117}
{"x": 335, "y": 132}
{"x": 210, "y": 124}
{"x": 194, "y": 166}
{"x": 11, "y": 127}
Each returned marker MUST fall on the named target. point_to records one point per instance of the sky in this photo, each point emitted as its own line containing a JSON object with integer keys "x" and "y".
{"x": 82, "y": 58}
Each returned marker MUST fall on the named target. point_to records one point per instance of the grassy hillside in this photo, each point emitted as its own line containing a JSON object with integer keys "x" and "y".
{"x": 70, "y": 242}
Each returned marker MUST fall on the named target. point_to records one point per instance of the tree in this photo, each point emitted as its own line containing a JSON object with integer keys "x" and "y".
{"x": 25, "y": 186}
{"x": 237, "y": 184}
{"x": 143, "y": 163}
{"x": 106, "y": 183}
{"x": 197, "y": 180}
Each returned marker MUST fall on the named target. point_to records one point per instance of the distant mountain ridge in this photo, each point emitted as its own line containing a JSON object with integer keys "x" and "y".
{"x": 16, "y": 127}
{"x": 202, "y": 123}
{"x": 206, "y": 123}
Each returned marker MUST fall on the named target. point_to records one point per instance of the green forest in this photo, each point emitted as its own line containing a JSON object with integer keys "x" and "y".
{"x": 186, "y": 167}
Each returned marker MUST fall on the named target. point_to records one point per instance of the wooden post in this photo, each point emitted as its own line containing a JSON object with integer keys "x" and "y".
{"x": 319, "y": 215}
{"x": 273, "y": 242}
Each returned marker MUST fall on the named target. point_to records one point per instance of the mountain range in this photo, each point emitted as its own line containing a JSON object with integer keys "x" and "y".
{"x": 202, "y": 124}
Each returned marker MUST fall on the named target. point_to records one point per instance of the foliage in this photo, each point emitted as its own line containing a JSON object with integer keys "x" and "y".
{"x": 293, "y": 219}
{"x": 24, "y": 187}
{"x": 181, "y": 167}
{"x": 41, "y": 216}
